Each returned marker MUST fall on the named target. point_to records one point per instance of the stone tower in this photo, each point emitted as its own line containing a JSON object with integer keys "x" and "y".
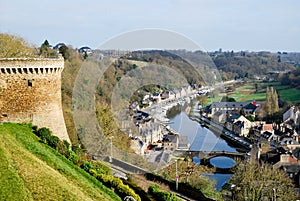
{"x": 30, "y": 92}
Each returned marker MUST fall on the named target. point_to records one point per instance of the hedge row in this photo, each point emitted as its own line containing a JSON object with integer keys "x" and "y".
{"x": 161, "y": 195}
{"x": 185, "y": 188}
{"x": 63, "y": 147}
{"x": 116, "y": 183}
{"x": 98, "y": 170}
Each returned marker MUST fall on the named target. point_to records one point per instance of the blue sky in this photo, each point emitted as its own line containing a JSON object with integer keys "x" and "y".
{"x": 272, "y": 25}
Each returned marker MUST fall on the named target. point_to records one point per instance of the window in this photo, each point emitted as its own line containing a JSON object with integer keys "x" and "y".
{"x": 30, "y": 83}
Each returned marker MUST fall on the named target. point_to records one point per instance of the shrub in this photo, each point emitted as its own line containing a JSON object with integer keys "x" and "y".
{"x": 161, "y": 195}
{"x": 102, "y": 168}
{"x": 74, "y": 158}
{"x": 53, "y": 141}
{"x": 76, "y": 148}
{"x": 44, "y": 134}
{"x": 61, "y": 148}
{"x": 87, "y": 166}
{"x": 119, "y": 187}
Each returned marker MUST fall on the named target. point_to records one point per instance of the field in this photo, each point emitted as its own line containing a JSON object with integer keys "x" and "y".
{"x": 30, "y": 170}
{"x": 247, "y": 92}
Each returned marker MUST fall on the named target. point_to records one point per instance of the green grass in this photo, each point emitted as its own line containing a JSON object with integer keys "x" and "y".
{"x": 30, "y": 170}
{"x": 247, "y": 92}
{"x": 291, "y": 95}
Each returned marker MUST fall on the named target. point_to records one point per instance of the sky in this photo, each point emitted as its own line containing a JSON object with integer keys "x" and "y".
{"x": 253, "y": 25}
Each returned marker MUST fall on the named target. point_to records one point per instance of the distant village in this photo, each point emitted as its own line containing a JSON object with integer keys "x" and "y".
{"x": 155, "y": 132}
{"x": 275, "y": 143}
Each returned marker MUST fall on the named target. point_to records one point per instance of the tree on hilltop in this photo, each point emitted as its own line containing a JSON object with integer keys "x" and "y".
{"x": 14, "y": 47}
{"x": 46, "y": 50}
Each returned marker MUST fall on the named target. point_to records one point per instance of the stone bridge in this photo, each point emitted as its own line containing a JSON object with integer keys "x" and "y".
{"x": 211, "y": 154}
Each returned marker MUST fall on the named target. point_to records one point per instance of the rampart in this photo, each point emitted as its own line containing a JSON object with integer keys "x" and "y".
{"x": 30, "y": 92}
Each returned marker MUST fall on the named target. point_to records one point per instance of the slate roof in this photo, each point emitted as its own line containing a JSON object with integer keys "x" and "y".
{"x": 233, "y": 117}
{"x": 250, "y": 106}
{"x": 234, "y": 105}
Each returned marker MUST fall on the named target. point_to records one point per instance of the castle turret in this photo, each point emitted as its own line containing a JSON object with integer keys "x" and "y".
{"x": 30, "y": 92}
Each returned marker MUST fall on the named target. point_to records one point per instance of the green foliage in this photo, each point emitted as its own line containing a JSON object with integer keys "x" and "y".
{"x": 191, "y": 176}
{"x": 258, "y": 182}
{"x": 53, "y": 141}
{"x": 14, "y": 47}
{"x": 65, "y": 52}
{"x": 144, "y": 195}
{"x": 250, "y": 118}
{"x": 86, "y": 166}
{"x": 44, "y": 134}
{"x": 102, "y": 168}
{"x": 227, "y": 99}
{"x": 96, "y": 167}
{"x": 75, "y": 147}
{"x": 120, "y": 188}
{"x": 161, "y": 195}
{"x": 110, "y": 128}
{"x": 256, "y": 90}
{"x": 74, "y": 158}
{"x": 47, "y": 51}
{"x": 62, "y": 148}
{"x": 271, "y": 103}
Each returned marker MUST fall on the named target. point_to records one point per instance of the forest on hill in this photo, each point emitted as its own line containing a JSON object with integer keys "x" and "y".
{"x": 233, "y": 65}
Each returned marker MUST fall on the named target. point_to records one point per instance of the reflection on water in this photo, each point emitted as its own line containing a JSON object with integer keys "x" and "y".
{"x": 222, "y": 162}
{"x": 220, "y": 179}
{"x": 200, "y": 138}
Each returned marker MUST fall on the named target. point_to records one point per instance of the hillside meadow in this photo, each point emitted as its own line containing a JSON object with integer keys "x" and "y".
{"x": 31, "y": 170}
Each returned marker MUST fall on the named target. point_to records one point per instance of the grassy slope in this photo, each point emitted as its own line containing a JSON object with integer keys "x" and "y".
{"x": 30, "y": 170}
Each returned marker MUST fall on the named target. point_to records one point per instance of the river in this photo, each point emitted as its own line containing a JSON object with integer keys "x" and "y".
{"x": 202, "y": 139}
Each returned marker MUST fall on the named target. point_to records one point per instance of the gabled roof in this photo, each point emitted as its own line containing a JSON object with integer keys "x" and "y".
{"x": 288, "y": 140}
{"x": 267, "y": 127}
{"x": 233, "y": 104}
{"x": 250, "y": 106}
{"x": 228, "y": 104}
{"x": 292, "y": 159}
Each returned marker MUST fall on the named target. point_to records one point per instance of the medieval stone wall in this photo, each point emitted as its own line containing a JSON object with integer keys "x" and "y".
{"x": 30, "y": 91}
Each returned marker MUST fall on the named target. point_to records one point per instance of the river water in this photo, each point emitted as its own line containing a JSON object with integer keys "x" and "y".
{"x": 202, "y": 139}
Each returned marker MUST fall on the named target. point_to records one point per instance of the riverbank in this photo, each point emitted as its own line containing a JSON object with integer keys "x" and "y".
{"x": 232, "y": 139}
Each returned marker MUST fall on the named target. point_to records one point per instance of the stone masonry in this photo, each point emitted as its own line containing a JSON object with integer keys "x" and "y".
{"x": 30, "y": 92}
